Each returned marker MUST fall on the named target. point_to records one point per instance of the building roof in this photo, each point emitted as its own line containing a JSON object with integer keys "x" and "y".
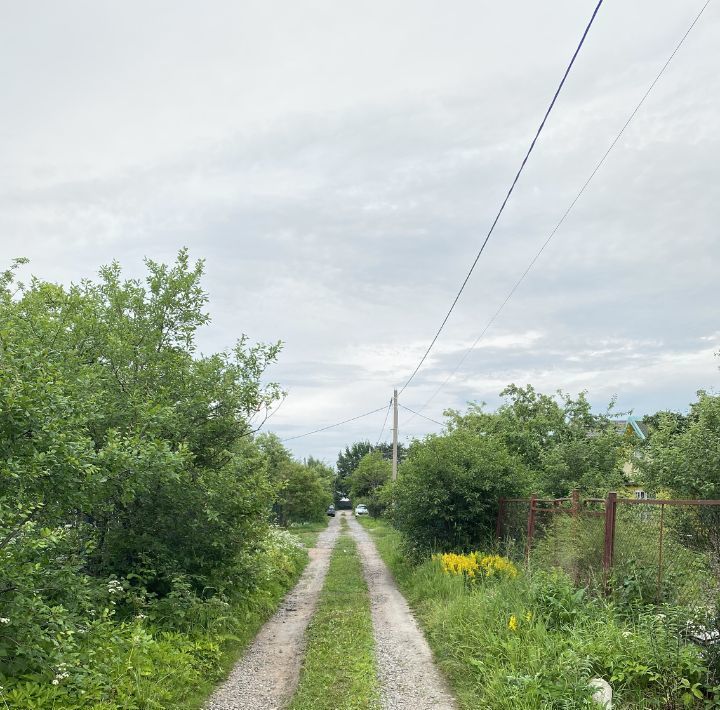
{"x": 631, "y": 425}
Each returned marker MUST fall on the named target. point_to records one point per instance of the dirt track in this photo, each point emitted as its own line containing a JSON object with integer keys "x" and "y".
{"x": 267, "y": 675}
{"x": 408, "y": 676}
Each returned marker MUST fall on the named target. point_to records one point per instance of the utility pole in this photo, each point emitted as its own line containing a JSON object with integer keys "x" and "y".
{"x": 395, "y": 433}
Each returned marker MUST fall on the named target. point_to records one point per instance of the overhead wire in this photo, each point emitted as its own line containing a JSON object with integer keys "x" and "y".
{"x": 572, "y": 204}
{"x": 332, "y": 426}
{"x": 507, "y": 197}
{"x": 417, "y": 414}
{"x": 382, "y": 431}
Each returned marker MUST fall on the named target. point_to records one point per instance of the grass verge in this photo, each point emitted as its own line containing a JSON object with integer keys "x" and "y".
{"x": 339, "y": 671}
{"x": 531, "y": 642}
{"x": 169, "y": 656}
{"x": 241, "y": 626}
{"x": 308, "y": 532}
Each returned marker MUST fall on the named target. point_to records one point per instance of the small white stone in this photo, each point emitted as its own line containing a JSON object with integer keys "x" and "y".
{"x": 603, "y": 693}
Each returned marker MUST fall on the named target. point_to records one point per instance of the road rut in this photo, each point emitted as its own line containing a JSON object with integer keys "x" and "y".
{"x": 267, "y": 675}
{"x": 409, "y": 679}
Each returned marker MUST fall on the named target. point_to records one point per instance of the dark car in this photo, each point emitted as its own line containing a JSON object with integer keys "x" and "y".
{"x": 331, "y": 511}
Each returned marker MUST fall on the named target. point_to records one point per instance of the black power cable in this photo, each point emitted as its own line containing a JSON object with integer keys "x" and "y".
{"x": 569, "y": 208}
{"x": 382, "y": 431}
{"x": 507, "y": 196}
{"x": 417, "y": 414}
{"x": 332, "y": 426}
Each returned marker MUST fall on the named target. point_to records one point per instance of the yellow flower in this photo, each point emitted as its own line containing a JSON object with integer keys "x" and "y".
{"x": 513, "y": 623}
{"x": 474, "y": 565}
{"x": 495, "y": 565}
{"x": 528, "y": 616}
{"x": 459, "y": 564}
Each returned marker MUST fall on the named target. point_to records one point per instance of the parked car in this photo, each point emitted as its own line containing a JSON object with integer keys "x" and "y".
{"x": 331, "y": 511}
{"x": 361, "y": 509}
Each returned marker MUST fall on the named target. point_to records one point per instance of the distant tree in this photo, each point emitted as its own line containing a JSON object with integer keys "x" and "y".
{"x": 302, "y": 490}
{"x": 386, "y": 449}
{"x": 349, "y": 459}
{"x": 303, "y": 497}
{"x": 325, "y": 472}
{"x": 685, "y": 456}
{"x": 370, "y": 475}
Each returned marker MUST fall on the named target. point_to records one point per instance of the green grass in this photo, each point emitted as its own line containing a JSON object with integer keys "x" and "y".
{"x": 308, "y": 532}
{"x": 339, "y": 671}
{"x": 170, "y": 659}
{"x": 563, "y": 638}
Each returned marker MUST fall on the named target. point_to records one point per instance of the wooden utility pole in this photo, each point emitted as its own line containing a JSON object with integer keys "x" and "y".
{"x": 395, "y": 433}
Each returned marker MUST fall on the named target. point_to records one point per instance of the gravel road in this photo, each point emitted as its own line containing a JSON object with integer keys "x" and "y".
{"x": 409, "y": 679}
{"x": 267, "y": 675}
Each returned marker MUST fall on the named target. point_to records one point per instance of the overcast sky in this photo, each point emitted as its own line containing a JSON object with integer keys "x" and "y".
{"x": 339, "y": 163}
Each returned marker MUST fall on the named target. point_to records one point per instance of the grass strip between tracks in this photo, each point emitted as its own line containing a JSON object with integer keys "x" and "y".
{"x": 339, "y": 670}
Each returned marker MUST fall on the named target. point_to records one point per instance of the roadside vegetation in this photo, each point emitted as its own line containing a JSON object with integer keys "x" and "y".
{"x": 308, "y": 533}
{"x": 511, "y": 636}
{"x": 139, "y": 545}
{"x": 339, "y": 670}
{"x": 509, "y": 641}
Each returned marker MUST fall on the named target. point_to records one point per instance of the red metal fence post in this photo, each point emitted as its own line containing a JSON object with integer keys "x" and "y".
{"x": 500, "y": 521}
{"x": 609, "y": 550}
{"x": 660, "y": 555}
{"x": 530, "y": 529}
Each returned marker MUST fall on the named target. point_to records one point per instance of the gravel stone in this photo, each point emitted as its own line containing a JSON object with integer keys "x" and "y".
{"x": 266, "y": 677}
{"x": 409, "y": 679}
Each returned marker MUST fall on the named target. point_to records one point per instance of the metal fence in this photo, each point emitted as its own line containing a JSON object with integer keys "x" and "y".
{"x": 647, "y": 549}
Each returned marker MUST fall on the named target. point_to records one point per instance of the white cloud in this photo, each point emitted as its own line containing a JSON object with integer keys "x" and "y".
{"x": 339, "y": 166}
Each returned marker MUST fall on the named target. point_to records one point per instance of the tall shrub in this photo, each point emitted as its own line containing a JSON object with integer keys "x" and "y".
{"x": 447, "y": 490}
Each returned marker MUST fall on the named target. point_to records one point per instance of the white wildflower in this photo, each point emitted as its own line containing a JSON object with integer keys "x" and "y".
{"x": 55, "y": 681}
{"x": 4, "y": 620}
{"x": 114, "y": 587}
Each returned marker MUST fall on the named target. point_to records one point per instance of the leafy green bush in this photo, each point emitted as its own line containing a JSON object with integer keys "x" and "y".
{"x": 684, "y": 456}
{"x": 368, "y": 480}
{"x": 135, "y": 502}
{"x": 164, "y": 656}
{"x": 447, "y": 489}
{"x": 302, "y": 490}
{"x": 559, "y": 439}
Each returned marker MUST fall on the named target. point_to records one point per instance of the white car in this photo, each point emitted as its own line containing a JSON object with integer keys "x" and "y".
{"x": 361, "y": 509}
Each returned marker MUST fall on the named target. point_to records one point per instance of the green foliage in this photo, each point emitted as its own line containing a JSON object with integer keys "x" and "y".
{"x": 349, "y": 459}
{"x": 111, "y": 424}
{"x": 558, "y": 438}
{"x": 367, "y": 480}
{"x": 135, "y": 542}
{"x": 303, "y": 497}
{"x": 447, "y": 489}
{"x": 559, "y": 639}
{"x": 679, "y": 422}
{"x": 684, "y": 455}
{"x": 303, "y": 490}
{"x": 168, "y": 655}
